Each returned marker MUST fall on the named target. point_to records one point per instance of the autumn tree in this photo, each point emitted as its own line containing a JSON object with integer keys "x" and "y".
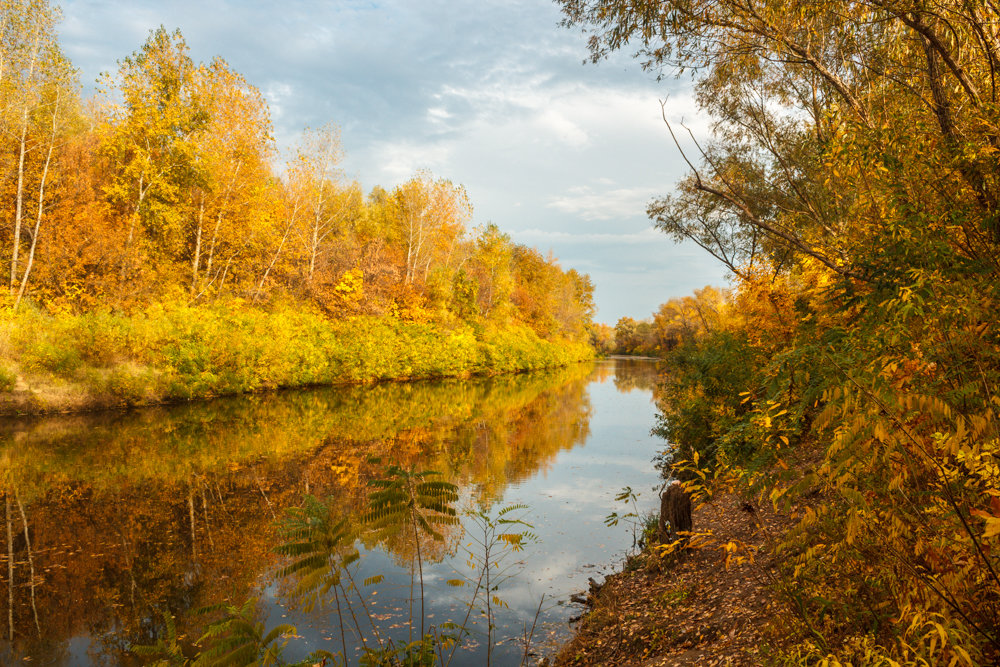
{"x": 190, "y": 150}
{"x": 574, "y": 304}
{"x": 534, "y": 289}
{"x": 150, "y": 139}
{"x": 797, "y": 99}
{"x": 602, "y": 338}
{"x": 231, "y": 199}
{"x": 553, "y": 302}
{"x": 323, "y": 203}
{"x": 77, "y": 260}
{"x": 431, "y": 215}
{"x": 491, "y": 264}
{"x": 683, "y": 318}
{"x": 36, "y": 89}
{"x": 59, "y": 106}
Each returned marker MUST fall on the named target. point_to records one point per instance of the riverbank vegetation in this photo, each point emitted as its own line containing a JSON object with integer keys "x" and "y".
{"x": 158, "y": 251}
{"x": 850, "y": 376}
{"x": 177, "y": 351}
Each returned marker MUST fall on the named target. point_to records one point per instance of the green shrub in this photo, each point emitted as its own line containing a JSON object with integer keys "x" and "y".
{"x": 8, "y": 379}
{"x": 199, "y": 351}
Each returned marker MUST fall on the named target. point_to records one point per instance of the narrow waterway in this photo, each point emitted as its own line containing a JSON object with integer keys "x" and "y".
{"x": 115, "y": 521}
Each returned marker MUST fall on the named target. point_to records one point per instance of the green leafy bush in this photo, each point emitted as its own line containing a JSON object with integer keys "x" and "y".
{"x": 8, "y": 379}
{"x": 181, "y": 352}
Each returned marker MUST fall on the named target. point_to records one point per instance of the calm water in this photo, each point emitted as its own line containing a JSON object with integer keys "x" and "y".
{"x": 130, "y": 515}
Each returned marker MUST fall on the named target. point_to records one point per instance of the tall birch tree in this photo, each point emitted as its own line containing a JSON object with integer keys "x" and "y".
{"x": 30, "y": 61}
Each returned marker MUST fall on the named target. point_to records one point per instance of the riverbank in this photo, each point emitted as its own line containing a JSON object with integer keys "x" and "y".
{"x": 709, "y": 606}
{"x": 175, "y": 352}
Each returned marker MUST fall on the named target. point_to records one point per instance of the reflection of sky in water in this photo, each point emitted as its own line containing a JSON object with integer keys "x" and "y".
{"x": 568, "y": 502}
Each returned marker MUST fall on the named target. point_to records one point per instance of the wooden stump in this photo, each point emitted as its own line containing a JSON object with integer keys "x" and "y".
{"x": 675, "y": 512}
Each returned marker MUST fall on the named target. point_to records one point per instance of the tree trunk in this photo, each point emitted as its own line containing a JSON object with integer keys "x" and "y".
{"x": 10, "y": 570}
{"x": 675, "y": 512}
{"x": 211, "y": 246}
{"x": 317, "y": 225}
{"x": 194, "y": 538}
{"x": 195, "y": 264}
{"x": 313, "y": 250}
{"x": 41, "y": 207}
{"x": 291, "y": 221}
{"x": 19, "y": 200}
{"x": 133, "y": 219}
{"x": 31, "y": 561}
{"x": 23, "y": 150}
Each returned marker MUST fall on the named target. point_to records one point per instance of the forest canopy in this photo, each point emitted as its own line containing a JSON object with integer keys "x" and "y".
{"x": 167, "y": 187}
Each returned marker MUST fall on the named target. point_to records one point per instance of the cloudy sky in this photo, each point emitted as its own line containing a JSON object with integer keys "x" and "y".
{"x": 491, "y": 94}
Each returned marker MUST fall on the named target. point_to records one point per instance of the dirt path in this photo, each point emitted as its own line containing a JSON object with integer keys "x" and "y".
{"x": 695, "y": 610}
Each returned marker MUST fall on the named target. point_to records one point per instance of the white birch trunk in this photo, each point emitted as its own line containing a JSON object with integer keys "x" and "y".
{"x": 41, "y": 204}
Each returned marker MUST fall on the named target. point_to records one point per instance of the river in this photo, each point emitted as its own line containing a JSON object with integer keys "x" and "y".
{"x": 116, "y": 521}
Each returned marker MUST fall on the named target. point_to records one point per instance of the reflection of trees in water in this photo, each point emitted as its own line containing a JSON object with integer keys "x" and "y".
{"x": 632, "y": 374}
{"x": 603, "y": 371}
{"x": 173, "y": 507}
{"x": 104, "y": 559}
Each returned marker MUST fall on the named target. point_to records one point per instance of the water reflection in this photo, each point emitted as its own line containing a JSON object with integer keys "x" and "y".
{"x": 112, "y": 519}
{"x": 635, "y": 375}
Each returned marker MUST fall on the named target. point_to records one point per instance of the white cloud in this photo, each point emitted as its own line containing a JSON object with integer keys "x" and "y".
{"x": 552, "y": 121}
{"x": 438, "y": 114}
{"x": 278, "y": 94}
{"x": 606, "y": 204}
{"x": 647, "y": 235}
{"x": 400, "y": 160}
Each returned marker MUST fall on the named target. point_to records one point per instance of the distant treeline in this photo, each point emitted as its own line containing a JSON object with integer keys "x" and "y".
{"x": 675, "y": 320}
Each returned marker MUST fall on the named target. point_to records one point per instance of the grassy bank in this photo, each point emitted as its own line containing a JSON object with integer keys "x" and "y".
{"x": 178, "y": 352}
